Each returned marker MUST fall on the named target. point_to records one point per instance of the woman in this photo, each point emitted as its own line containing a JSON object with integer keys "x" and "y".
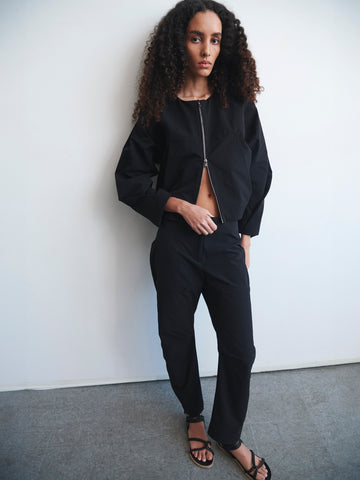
{"x": 197, "y": 130}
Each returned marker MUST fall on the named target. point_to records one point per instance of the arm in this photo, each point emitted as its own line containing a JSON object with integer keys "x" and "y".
{"x": 134, "y": 172}
{"x": 260, "y": 172}
{"x": 197, "y": 217}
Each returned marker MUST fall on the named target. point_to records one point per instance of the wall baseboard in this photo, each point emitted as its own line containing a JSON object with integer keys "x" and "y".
{"x": 110, "y": 381}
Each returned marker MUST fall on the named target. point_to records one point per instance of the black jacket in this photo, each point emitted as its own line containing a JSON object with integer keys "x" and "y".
{"x": 189, "y": 136}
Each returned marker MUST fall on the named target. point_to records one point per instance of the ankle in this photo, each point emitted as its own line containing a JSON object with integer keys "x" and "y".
{"x": 194, "y": 418}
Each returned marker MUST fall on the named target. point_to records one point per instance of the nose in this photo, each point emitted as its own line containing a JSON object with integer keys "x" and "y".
{"x": 206, "y": 49}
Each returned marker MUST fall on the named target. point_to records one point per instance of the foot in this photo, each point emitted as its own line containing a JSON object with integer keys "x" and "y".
{"x": 197, "y": 430}
{"x": 243, "y": 454}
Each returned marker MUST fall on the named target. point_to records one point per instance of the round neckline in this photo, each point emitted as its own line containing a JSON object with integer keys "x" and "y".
{"x": 199, "y": 100}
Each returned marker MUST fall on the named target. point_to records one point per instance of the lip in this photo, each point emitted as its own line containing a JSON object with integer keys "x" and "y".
{"x": 204, "y": 64}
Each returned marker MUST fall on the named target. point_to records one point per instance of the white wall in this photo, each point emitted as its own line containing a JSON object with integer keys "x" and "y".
{"x": 77, "y": 300}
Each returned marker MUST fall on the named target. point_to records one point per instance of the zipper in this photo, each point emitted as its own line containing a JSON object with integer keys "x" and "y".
{"x": 205, "y": 161}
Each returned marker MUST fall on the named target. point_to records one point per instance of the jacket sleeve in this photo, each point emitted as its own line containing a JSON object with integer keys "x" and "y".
{"x": 134, "y": 172}
{"x": 260, "y": 172}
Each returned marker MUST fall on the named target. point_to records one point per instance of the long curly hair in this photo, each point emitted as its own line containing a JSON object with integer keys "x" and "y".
{"x": 163, "y": 73}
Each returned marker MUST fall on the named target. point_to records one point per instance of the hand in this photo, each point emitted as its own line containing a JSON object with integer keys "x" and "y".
{"x": 199, "y": 219}
{"x": 245, "y": 243}
{"x": 247, "y": 256}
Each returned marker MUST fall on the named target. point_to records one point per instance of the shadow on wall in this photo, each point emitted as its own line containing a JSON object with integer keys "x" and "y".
{"x": 135, "y": 336}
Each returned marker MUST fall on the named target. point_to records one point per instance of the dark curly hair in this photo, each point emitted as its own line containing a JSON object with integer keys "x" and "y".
{"x": 163, "y": 74}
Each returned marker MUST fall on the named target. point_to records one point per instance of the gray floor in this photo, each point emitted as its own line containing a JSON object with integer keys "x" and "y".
{"x": 305, "y": 422}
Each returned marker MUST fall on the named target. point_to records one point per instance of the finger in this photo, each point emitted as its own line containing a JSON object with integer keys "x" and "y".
{"x": 199, "y": 230}
{"x": 209, "y": 226}
{"x": 196, "y": 228}
{"x": 203, "y": 230}
{"x": 212, "y": 225}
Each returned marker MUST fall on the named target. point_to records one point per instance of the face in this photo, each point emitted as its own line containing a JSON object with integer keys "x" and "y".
{"x": 202, "y": 43}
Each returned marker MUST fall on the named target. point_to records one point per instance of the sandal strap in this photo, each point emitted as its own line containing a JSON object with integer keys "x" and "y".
{"x": 253, "y": 471}
{"x": 196, "y": 419}
{"x": 206, "y": 443}
{"x": 201, "y": 448}
{"x": 194, "y": 439}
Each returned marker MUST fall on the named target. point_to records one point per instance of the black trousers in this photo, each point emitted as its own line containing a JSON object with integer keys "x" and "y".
{"x": 184, "y": 265}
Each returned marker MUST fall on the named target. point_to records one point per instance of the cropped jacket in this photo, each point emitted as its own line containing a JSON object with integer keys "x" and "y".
{"x": 166, "y": 159}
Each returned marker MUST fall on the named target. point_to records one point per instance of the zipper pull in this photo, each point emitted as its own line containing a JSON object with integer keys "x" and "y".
{"x": 205, "y": 162}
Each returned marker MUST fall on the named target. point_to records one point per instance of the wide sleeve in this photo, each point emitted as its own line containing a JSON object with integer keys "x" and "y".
{"x": 260, "y": 172}
{"x": 134, "y": 175}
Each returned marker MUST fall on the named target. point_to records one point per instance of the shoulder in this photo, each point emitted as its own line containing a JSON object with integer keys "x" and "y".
{"x": 241, "y": 103}
{"x": 239, "y": 106}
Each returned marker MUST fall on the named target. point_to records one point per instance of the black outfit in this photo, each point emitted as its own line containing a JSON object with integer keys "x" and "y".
{"x": 192, "y": 135}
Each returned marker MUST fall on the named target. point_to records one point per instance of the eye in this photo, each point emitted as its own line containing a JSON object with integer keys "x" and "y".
{"x": 195, "y": 39}
{"x": 215, "y": 41}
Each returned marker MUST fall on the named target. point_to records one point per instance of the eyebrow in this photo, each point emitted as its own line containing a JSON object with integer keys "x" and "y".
{"x": 196, "y": 32}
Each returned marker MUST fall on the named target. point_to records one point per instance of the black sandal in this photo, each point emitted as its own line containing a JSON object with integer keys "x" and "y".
{"x": 253, "y": 471}
{"x": 199, "y": 463}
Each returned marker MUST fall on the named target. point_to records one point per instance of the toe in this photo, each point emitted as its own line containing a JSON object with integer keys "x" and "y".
{"x": 262, "y": 473}
{"x": 260, "y": 476}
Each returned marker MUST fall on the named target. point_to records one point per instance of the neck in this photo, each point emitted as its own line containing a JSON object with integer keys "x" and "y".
{"x": 195, "y": 88}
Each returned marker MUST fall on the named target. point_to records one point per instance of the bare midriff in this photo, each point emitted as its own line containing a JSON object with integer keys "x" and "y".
{"x": 206, "y": 197}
